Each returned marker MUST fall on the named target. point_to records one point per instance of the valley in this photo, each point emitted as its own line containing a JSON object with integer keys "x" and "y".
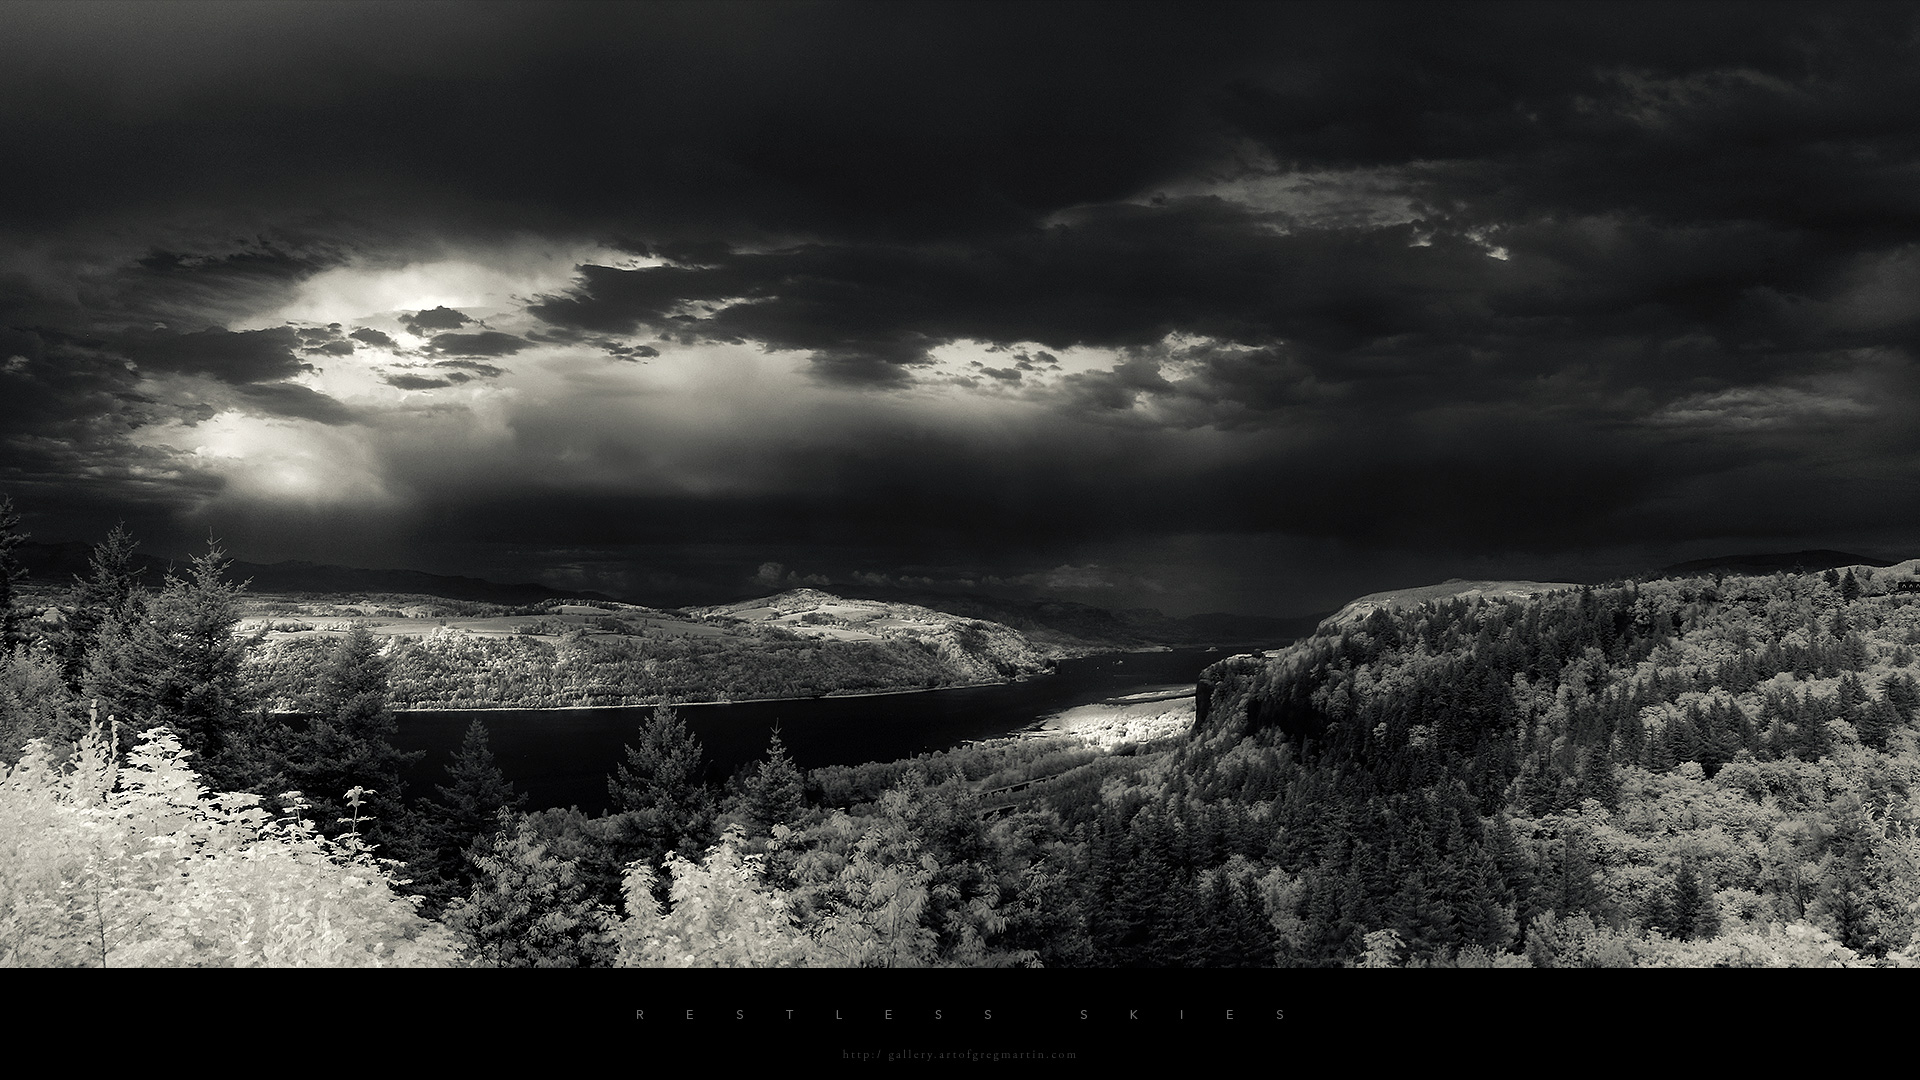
{"x": 1713, "y": 769}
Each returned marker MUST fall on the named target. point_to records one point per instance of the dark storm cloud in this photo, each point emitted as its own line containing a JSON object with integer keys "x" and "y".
{"x": 265, "y": 263}
{"x": 440, "y": 318}
{"x": 1461, "y": 276}
{"x": 759, "y": 119}
{"x": 472, "y": 367}
{"x": 1405, "y": 303}
{"x": 442, "y": 373}
{"x": 226, "y": 279}
{"x": 73, "y": 408}
{"x": 483, "y": 343}
{"x": 1792, "y": 114}
{"x": 324, "y": 340}
{"x": 244, "y": 356}
{"x": 1119, "y": 278}
{"x": 68, "y": 416}
{"x": 297, "y": 402}
{"x": 947, "y": 121}
{"x": 629, "y": 352}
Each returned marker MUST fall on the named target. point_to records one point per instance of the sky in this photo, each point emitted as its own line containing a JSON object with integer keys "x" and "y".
{"x": 1194, "y": 307}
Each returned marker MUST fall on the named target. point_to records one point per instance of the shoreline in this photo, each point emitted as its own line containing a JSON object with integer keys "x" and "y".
{"x": 756, "y": 701}
{"x": 1133, "y": 718}
{"x": 428, "y": 709}
{"x": 678, "y": 704}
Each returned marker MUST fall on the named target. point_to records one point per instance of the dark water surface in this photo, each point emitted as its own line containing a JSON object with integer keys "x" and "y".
{"x": 561, "y": 757}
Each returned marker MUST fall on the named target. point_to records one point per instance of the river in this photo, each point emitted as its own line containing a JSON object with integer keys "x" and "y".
{"x": 561, "y": 757}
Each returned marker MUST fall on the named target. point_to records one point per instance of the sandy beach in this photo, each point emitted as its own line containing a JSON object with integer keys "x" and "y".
{"x": 1135, "y": 718}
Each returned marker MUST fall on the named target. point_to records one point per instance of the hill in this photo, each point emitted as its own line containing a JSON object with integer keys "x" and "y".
{"x": 1454, "y": 588}
{"x": 557, "y": 655}
{"x": 1791, "y": 562}
{"x": 1675, "y": 772}
{"x": 1080, "y": 629}
{"x": 988, "y": 650}
{"x": 56, "y": 565}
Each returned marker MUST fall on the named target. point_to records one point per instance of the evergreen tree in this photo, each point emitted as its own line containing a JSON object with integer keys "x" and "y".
{"x": 1812, "y": 739}
{"x": 466, "y": 809}
{"x": 776, "y": 792}
{"x": 1843, "y": 909}
{"x": 177, "y": 664}
{"x": 1329, "y": 937}
{"x": 1570, "y": 884}
{"x": 1876, "y": 721}
{"x": 1178, "y": 930}
{"x": 11, "y": 575}
{"x": 1903, "y": 693}
{"x": 1123, "y": 927}
{"x": 660, "y": 801}
{"x": 349, "y": 740}
{"x": 111, "y": 590}
{"x": 1248, "y": 935}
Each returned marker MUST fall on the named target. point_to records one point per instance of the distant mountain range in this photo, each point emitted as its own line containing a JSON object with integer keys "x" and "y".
{"x": 58, "y": 564}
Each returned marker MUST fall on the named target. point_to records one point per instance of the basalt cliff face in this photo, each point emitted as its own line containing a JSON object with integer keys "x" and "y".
{"x": 1247, "y": 693}
{"x": 1714, "y": 770}
{"x": 1723, "y": 636}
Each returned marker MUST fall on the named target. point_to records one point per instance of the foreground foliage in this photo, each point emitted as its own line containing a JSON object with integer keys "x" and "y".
{"x": 136, "y": 864}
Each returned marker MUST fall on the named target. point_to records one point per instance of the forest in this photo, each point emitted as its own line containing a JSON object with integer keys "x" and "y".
{"x": 1707, "y": 771}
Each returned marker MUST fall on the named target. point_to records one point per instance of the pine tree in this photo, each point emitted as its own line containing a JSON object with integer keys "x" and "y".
{"x": 1812, "y": 739}
{"x": 659, "y": 800}
{"x": 178, "y": 664}
{"x": 1570, "y": 884}
{"x": 467, "y": 808}
{"x": 1693, "y": 912}
{"x": 11, "y": 574}
{"x": 1876, "y": 719}
{"x": 349, "y": 740}
{"x": 776, "y": 792}
{"x": 1124, "y": 930}
{"x": 1903, "y": 693}
{"x": 111, "y": 590}
{"x": 1249, "y": 931}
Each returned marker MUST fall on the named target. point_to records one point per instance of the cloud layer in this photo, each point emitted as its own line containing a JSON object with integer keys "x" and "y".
{"x": 1210, "y": 308}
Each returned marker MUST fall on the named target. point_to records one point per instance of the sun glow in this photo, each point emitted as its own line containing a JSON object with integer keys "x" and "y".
{"x": 476, "y": 283}
{"x": 279, "y": 461}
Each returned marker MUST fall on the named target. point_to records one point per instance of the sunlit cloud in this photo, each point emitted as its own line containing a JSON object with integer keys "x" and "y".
{"x": 277, "y": 461}
{"x": 480, "y": 283}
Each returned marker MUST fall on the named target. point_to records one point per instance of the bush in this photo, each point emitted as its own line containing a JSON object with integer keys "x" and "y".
{"x": 137, "y": 865}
